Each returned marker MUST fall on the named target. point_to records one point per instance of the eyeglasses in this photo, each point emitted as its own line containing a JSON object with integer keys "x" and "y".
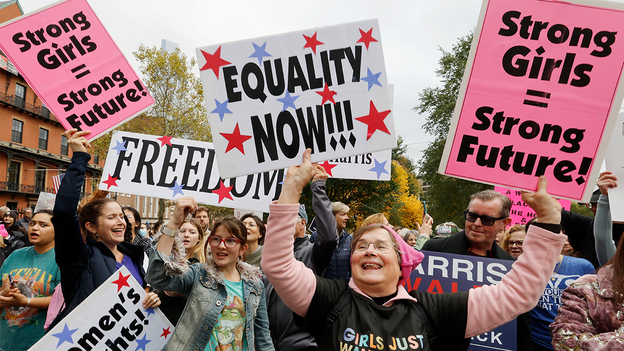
{"x": 518, "y": 243}
{"x": 379, "y": 245}
{"x": 485, "y": 220}
{"x": 215, "y": 241}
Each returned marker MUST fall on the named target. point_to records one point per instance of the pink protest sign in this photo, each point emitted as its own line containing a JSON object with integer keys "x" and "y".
{"x": 74, "y": 67}
{"x": 521, "y": 213}
{"x": 541, "y": 86}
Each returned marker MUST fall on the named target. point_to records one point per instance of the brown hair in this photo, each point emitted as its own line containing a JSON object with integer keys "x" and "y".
{"x": 508, "y": 231}
{"x": 259, "y": 223}
{"x": 91, "y": 212}
{"x": 233, "y": 225}
{"x": 357, "y": 235}
{"x": 197, "y": 251}
{"x": 618, "y": 272}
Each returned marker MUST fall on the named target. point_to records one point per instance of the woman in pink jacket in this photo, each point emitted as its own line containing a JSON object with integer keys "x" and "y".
{"x": 373, "y": 311}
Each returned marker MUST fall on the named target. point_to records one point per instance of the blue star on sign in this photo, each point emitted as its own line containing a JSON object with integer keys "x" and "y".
{"x": 121, "y": 146}
{"x": 221, "y": 108}
{"x": 141, "y": 343}
{"x": 288, "y": 101}
{"x": 260, "y": 52}
{"x": 65, "y": 335}
{"x": 371, "y": 79}
{"x": 380, "y": 168}
{"x": 150, "y": 311}
{"x": 177, "y": 189}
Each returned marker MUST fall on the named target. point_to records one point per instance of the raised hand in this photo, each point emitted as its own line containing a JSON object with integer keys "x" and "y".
{"x": 547, "y": 209}
{"x": 297, "y": 178}
{"x": 606, "y": 181}
{"x": 76, "y": 140}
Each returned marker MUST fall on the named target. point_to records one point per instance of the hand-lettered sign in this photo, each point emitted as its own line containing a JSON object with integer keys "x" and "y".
{"x": 520, "y": 212}
{"x": 111, "y": 318}
{"x": 74, "y": 67}
{"x": 270, "y": 98}
{"x": 445, "y": 273}
{"x": 542, "y": 84}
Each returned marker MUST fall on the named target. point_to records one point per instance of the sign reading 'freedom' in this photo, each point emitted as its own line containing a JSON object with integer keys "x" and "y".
{"x": 542, "y": 84}
{"x": 271, "y": 98}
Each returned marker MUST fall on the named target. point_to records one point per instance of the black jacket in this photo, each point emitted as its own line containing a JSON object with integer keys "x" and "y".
{"x": 84, "y": 267}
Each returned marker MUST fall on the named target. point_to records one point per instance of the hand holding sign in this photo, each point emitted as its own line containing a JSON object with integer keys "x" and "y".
{"x": 184, "y": 206}
{"x": 321, "y": 173}
{"x": 605, "y": 182}
{"x": 547, "y": 209}
{"x": 76, "y": 140}
{"x": 297, "y": 178}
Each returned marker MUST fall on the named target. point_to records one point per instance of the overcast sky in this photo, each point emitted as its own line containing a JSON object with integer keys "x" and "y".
{"x": 412, "y": 33}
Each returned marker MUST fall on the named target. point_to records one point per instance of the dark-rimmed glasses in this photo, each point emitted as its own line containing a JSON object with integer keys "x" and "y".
{"x": 215, "y": 241}
{"x": 485, "y": 220}
{"x": 518, "y": 243}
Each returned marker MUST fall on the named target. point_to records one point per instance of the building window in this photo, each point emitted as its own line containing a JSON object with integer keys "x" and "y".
{"x": 44, "y": 111}
{"x": 96, "y": 159}
{"x": 40, "y": 178}
{"x": 16, "y": 132}
{"x": 14, "y": 176}
{"x": 20, "y": 95}
{"x": 64, "y": 146}
{"x": 43, "y": 139}
{"x": 149, "y": 211}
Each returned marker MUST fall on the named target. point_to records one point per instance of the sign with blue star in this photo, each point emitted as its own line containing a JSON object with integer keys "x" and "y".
{"x": 323, "y": 88}
{"x": 112, "y": 314}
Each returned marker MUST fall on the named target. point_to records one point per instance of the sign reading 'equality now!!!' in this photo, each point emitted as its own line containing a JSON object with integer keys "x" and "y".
{"x": 271, "y": 98}
{"x": 74, "y": 67}
{"x": 541, "y": 86}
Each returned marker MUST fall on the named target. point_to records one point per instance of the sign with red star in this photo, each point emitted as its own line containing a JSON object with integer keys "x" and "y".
{"x": 214, "y": 61}
{"x": 165, "y": 140}
{"x": 291, "y": 91}
{"x": 165, "y": 332}
{"x": 121, "y": 281}
{"x": 328, "y": 167}
{"x": 223, "y": 191}
{"x": 111, "y": 181}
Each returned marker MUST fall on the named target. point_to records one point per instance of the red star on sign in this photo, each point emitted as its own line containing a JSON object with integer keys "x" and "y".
{"x": 236, "y": 140}
{"x": 367, "y": 37}
{"x": 328, "y": 95}
{"x": 223, "y": 191}
{"x": 311, "y": 42}
{"x": 122, "y": 281}
{"x": 110, "y": 181}
{"x": 214, "y": 61}
{"x": 374, "y": 120}
{"x": 328, "y": 167}
{"x": 166, "y": 332}
{"x": 165, "y": 140}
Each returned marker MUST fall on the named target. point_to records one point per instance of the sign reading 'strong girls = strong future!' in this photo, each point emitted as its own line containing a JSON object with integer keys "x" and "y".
{"x": 270, "y": 98}
{"x": 541, "y": 86}
{"x": 74, "y": 67}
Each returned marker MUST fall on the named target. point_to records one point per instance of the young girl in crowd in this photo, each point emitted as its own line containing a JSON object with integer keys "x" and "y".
{"x": 190, "y": 243}
{"x": 226, "y": 307}
{"x": 35, "y": 275}
{"x": 86, "y": 265}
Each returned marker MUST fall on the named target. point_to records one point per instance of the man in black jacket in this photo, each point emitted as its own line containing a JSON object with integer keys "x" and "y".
{"x": 487, "y": 213}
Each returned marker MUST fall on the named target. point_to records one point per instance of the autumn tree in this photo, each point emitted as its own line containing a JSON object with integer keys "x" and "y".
{"x": 447, "y": 197}
{"x": 179, "y": 110}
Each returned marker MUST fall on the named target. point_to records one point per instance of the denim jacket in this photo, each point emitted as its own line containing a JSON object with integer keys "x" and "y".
{"x": 206, "y": 296}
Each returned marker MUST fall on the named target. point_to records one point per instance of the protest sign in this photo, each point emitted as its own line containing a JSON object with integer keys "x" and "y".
{"x": 111, "y": 318}
{"x": 74, "y": 67}
{"x": 445, "y": 273}
{"x": 45, "y": 201}
{"x": 614, "y": 161}
{"x": 167, "y": 168}
{"x": 521, "y": 212}
{"x": 270, "y": 98}
{"x": 370, "y": 166}
{"x": 541, "y": 86}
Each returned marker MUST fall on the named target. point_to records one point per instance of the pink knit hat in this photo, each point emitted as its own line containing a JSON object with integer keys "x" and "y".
{"x": 410, "y": 257}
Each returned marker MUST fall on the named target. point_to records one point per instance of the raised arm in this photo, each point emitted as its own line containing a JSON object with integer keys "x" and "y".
{"x": 522, "y": 287}
{"x": 327, "y": 236}
{"x": 603, "y": 226}
{"x": 294, "y": 283}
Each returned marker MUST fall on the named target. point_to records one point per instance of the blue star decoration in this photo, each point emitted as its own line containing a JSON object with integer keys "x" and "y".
{"x": 221, "y": 108}
{"x": 177, "y": 189}
{"x": 150, "y": 311}
{"x": 260, "y": 52}
{"x": 371, "y": 79}
{"x": 288, "y": 101}
{"x": 141, "y": 343}
{"x": 121, "y": 146}
{"x": 65, "y": 335}
{"x": 380, "y": 168}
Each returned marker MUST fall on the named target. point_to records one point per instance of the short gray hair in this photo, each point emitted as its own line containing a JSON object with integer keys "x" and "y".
{"x": 338, "y": 207}
{"x": 492, "y": 195}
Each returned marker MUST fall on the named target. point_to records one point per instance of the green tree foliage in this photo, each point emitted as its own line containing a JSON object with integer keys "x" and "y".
{"x": 179, "y": 110}
{"x": 446, "y": 197}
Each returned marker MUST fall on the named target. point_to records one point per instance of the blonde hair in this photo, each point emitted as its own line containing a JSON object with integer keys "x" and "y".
{"x": 198, "y": 252}
{"x": 374, "y": 219}
{"x": 508, "y": 232}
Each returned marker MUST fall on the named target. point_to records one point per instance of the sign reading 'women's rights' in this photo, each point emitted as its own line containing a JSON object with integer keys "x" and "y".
{"x": 168, "y": 168}
{"x": 74, "y": 67}
{"x": 271, "y": 98}
{"x": 541, "y": 86}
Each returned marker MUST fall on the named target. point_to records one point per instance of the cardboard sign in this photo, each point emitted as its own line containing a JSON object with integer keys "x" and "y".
{"x": 521, "y": 212}
{"x": 111, "y": 318}
{"x": 45, "y": 201}
{"x": 445, "y": 273}
{"x": 270, "y": 98}
{"x": 74, "y": 67}
{"x": 614, "y": 161}
{"x": 541, "y": 86}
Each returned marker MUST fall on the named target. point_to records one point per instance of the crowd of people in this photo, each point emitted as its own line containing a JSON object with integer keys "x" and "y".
{"x": 243, "y": 284}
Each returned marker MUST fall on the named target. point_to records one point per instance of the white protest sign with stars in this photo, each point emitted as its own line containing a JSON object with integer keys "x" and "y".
{"x": 270, "y": 98}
